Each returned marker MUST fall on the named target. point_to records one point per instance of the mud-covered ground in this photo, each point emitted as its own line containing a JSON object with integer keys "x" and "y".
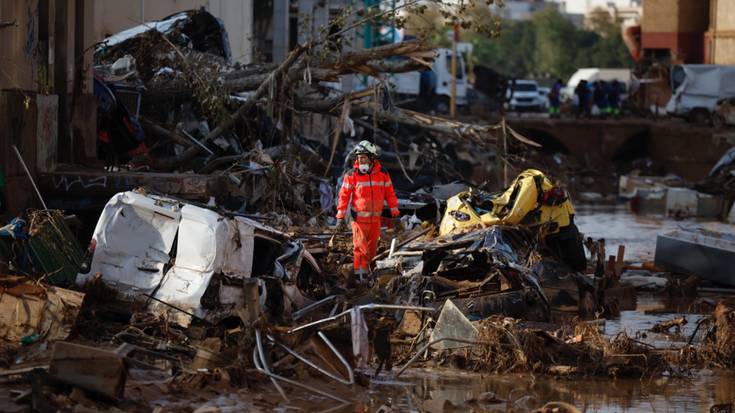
{"x": 451, "y": 390}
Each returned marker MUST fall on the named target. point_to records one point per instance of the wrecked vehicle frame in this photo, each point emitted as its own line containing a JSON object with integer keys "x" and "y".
{"x": 192, "y": 261}
{"x": 482, "y": 271}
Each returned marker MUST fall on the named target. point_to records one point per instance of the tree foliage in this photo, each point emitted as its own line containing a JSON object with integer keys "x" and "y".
{"x": 550, "y": 45}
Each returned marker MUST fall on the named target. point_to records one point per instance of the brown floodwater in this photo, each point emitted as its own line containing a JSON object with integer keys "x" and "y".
{"x": 637, "y": 232}
{"x": 523, "y": 392}
{"x": 432, "y": 390}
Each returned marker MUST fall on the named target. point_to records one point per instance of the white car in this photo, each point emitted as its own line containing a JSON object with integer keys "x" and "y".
{"x": 524, "y": 96}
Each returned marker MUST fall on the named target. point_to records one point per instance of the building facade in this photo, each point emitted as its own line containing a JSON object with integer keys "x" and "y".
{"x": 673, "y": 30}
{"x": 720, "y": 38}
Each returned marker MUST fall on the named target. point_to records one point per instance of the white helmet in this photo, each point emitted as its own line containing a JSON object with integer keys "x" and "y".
{"x": 366, "y": 147}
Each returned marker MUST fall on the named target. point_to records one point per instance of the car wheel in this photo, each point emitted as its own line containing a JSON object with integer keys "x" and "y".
{"x": 442, "y": 105}
{"x": 699, "y": 116}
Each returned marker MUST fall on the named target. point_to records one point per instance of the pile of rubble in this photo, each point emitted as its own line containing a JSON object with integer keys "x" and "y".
{"x": 170, "y": 99}
{"x": 182, "y": 306}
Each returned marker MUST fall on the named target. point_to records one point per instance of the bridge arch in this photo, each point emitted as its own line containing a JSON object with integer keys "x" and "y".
{"x": 549, "y": 143}
{"x": 634, "y": 147}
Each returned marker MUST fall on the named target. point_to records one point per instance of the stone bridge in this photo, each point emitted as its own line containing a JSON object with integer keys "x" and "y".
{"x": 681, "y": 148}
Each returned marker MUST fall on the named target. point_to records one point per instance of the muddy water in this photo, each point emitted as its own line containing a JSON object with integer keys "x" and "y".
{"x": 649, "y": 311}
{"x": 637, "y": 232}
{"x": 426, "y": 389}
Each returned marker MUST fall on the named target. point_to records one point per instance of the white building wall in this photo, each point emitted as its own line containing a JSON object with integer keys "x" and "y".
{"x": 586, "y": 6}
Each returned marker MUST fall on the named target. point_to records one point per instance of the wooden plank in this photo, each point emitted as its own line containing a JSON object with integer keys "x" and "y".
{"x": 93, "y": 369}
{"x": 620, "y": 260}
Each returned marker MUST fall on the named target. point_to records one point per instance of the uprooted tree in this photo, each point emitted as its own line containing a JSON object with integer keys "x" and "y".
{"x": 241, "y": 105}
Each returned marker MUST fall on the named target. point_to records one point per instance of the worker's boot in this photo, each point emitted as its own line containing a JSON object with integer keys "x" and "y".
{"x": 361, "y": 275}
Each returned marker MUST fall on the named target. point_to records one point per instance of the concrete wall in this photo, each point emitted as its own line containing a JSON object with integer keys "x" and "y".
{"x": 660, "y": 16}
{"x": 693, "y": 16}
{"x": 676, "y": 25}
{"x": 675, "y": 16}
{"x": 237, "y": 15}
{"x": 721, "y": 34}
{"x": 112, "y": 16}
{"x": 20, "y": 59}
{"x": 18, "y": 69}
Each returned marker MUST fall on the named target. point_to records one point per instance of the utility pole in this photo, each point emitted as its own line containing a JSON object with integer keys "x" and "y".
{"x": 453, "y": 96}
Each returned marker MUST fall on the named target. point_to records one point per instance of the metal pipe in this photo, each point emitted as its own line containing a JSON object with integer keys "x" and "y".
{"x": 203, "y": 146}
{"x": 431, "y": 343}
{"x": 360, "y": 308}
{"x": 334, "y": 309}
{"x": 23, "y": 164}
{"x": 298, "y": 314}
{"x": 266, "y": 370}
{"x": 274, "y": 376}
{"x": 374, "y": 306}
{"x": 314, "y": 365}
{"x": 318, "y": 322}
{"x": 339, "y": 355}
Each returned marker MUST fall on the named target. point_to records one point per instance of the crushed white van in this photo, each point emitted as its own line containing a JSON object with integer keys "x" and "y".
{"x": 185, "y": 260}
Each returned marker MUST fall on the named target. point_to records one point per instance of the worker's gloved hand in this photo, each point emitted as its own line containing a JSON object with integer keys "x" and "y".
{"x": 395, "y": 213}
{"x": 341, "y": 225}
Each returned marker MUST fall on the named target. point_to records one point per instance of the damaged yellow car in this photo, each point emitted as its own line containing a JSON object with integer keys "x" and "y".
{"x": 533, "y": 201}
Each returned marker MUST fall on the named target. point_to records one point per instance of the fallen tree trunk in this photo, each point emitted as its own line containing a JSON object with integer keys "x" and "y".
{"x": 250, "y": 82}
{"x": 370, "y": 62}
{"x": 483, "y": 135}
{"x": 152, "y": 127}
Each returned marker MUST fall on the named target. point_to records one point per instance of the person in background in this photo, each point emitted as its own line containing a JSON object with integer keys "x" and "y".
{"x": 582, "y": 93}
{"x": 599, "y": 97}
{"x": 555, "y": 99}
{"x": 613, "y": 98}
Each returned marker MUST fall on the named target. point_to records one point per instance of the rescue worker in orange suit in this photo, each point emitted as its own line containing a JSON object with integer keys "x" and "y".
{"x": 365, "y": 188}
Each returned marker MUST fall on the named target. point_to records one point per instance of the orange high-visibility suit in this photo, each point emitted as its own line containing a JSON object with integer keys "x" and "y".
{"x": 368, "y": 192}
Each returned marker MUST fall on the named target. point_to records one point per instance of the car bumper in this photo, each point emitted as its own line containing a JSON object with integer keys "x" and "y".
{"x": 525, "y": 105}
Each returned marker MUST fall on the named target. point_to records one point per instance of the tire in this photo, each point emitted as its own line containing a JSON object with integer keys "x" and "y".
{"x": 442, "y": 105}
{"x": 699, "y": 116}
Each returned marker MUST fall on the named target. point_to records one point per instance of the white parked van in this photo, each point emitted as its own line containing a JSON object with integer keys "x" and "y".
{"x": 698, "y": 88}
